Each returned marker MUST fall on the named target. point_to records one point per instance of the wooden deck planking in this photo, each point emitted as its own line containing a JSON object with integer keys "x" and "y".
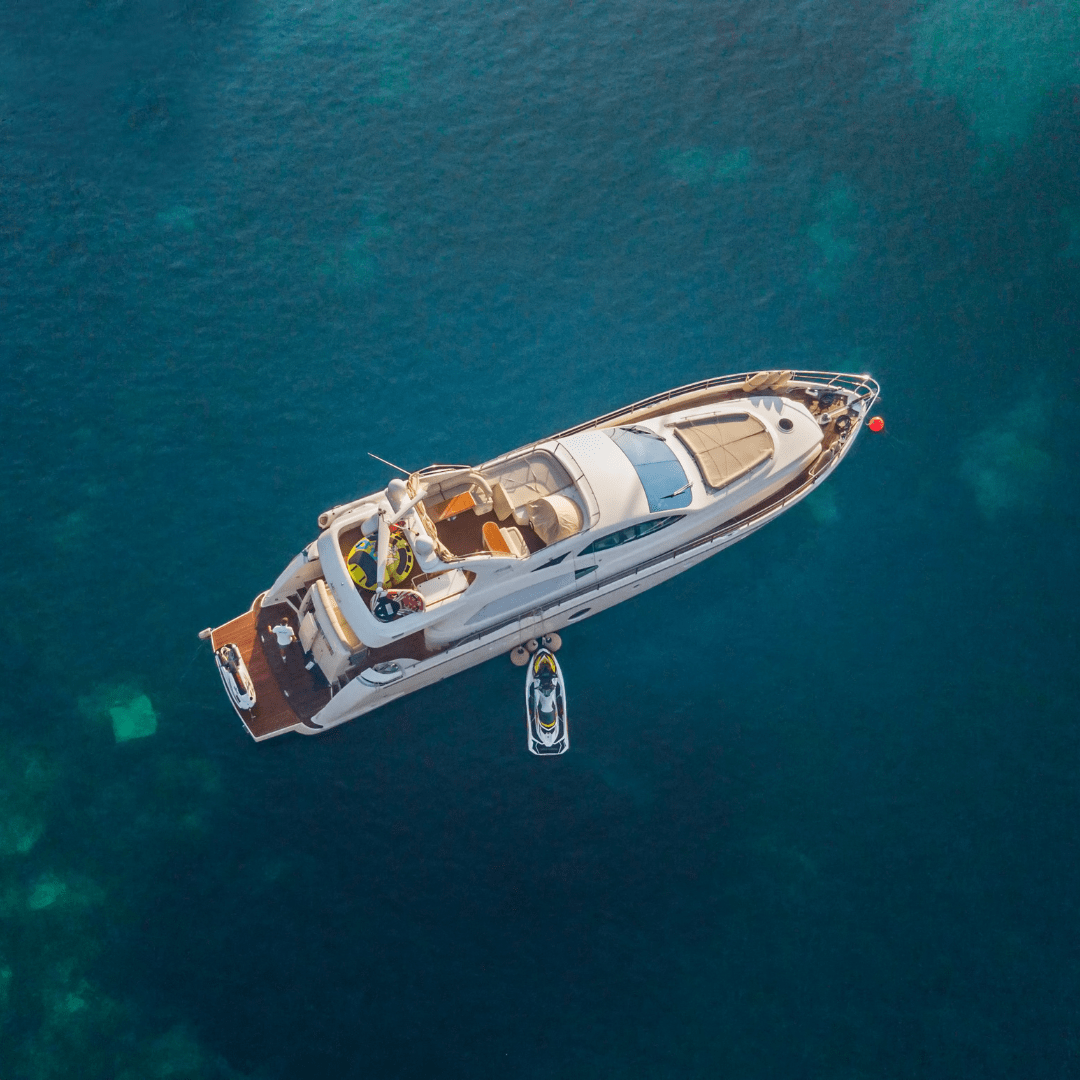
{"x": 286, "y": 693}
{"x": 464, "y": 534}
{"x": 307, "y": 692}
{"x": 272, "y": 713}
{"x": 412, "y": 647}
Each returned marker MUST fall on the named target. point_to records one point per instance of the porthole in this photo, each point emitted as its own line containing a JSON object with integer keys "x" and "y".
{"x": 578, "y": 614}
{"x": 785, "y": 424}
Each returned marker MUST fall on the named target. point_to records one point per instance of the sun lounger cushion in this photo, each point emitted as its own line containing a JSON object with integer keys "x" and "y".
{"x": 726, "y": 447}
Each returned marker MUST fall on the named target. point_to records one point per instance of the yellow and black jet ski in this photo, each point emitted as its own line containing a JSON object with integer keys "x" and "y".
{"x": 545, "y": 704}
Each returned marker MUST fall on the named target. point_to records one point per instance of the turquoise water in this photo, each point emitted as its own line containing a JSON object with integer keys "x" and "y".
{"x": 819, "y": 815}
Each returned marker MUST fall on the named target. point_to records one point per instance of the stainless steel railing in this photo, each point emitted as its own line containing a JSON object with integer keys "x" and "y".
{"x": 863, "y": 385}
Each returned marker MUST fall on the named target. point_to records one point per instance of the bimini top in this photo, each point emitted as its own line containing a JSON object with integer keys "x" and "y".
{"x": 725, "y": 447}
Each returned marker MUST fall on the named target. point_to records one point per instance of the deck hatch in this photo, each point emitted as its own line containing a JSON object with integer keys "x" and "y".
{"x": 657, "y": 467}
{"x": 726, "y": 447}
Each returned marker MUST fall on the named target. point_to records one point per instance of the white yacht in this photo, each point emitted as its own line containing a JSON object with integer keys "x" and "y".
{"x": 456, "y": 564}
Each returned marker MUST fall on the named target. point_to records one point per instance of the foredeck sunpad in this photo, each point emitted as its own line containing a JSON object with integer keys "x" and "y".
{"x": 725, "y": 447}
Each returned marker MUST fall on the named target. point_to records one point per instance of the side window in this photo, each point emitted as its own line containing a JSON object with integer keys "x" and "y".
{"x": 632, "y": 532}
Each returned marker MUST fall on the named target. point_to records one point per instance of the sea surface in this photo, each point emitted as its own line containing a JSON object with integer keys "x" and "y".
{"x": 819, "y": 818}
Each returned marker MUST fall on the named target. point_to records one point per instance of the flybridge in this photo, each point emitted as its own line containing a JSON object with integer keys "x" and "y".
{"x": 409, "y": 585}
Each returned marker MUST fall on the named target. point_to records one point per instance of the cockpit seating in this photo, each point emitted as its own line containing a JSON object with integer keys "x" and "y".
{"x": 452, "y": 507}
{"x": 508, "y": 541}
{"x": 535, "y": 490}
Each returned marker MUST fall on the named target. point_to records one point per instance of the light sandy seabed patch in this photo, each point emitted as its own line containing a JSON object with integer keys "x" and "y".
{"x": 25, "y": 782}
{"x": 1000, "y": 59}
{"x": 823, "y": 506}
{"x": 56, "y": 1021}
{"x": 127, "y": 709}
{"x": 1005, "y": 465}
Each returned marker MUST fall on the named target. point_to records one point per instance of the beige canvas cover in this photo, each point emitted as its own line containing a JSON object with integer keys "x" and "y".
{"x": 501, "y": 503}
{"x": 725, "y": 447}
{"x": 554, "y": 518}
{"x": 327, "y": 612}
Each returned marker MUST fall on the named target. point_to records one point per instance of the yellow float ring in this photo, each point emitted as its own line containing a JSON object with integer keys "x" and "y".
{"x": 362, "y": 561}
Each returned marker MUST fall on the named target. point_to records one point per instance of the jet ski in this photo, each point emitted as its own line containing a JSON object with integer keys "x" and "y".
{"x": 234, "y": 674}
{"x": 545, "y": 704}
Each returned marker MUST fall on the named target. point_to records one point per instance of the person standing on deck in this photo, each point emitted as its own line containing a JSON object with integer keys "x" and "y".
{"x": 285, "y": 636}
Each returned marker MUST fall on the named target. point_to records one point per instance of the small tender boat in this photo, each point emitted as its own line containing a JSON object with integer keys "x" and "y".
{"x": 545, "y": 705}
{"x": 456, "y": 564}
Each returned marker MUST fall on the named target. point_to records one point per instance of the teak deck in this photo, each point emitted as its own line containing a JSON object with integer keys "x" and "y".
{"x": 464, "y": 533}
{"x": 286, "y": 692}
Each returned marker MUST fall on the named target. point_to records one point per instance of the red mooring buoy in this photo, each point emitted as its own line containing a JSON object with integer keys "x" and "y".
{"x": 877, "y": 424}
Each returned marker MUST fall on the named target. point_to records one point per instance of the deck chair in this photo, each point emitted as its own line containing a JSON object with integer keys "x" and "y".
{"x": 504, "y": 541}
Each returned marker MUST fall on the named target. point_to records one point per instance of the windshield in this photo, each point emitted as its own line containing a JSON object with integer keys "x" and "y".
{"x": 658, "y": 469}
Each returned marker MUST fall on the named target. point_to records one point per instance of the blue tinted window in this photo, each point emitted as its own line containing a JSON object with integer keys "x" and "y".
{"x": 633, "y": 532}
{"x": 658, "y": 468}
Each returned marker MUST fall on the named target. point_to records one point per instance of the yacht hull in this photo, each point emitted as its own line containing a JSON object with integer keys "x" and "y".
{"x": 389, "y": 673}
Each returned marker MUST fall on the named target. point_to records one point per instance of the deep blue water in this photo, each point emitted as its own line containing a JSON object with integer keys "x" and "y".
{"x": 819, "y": 818}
